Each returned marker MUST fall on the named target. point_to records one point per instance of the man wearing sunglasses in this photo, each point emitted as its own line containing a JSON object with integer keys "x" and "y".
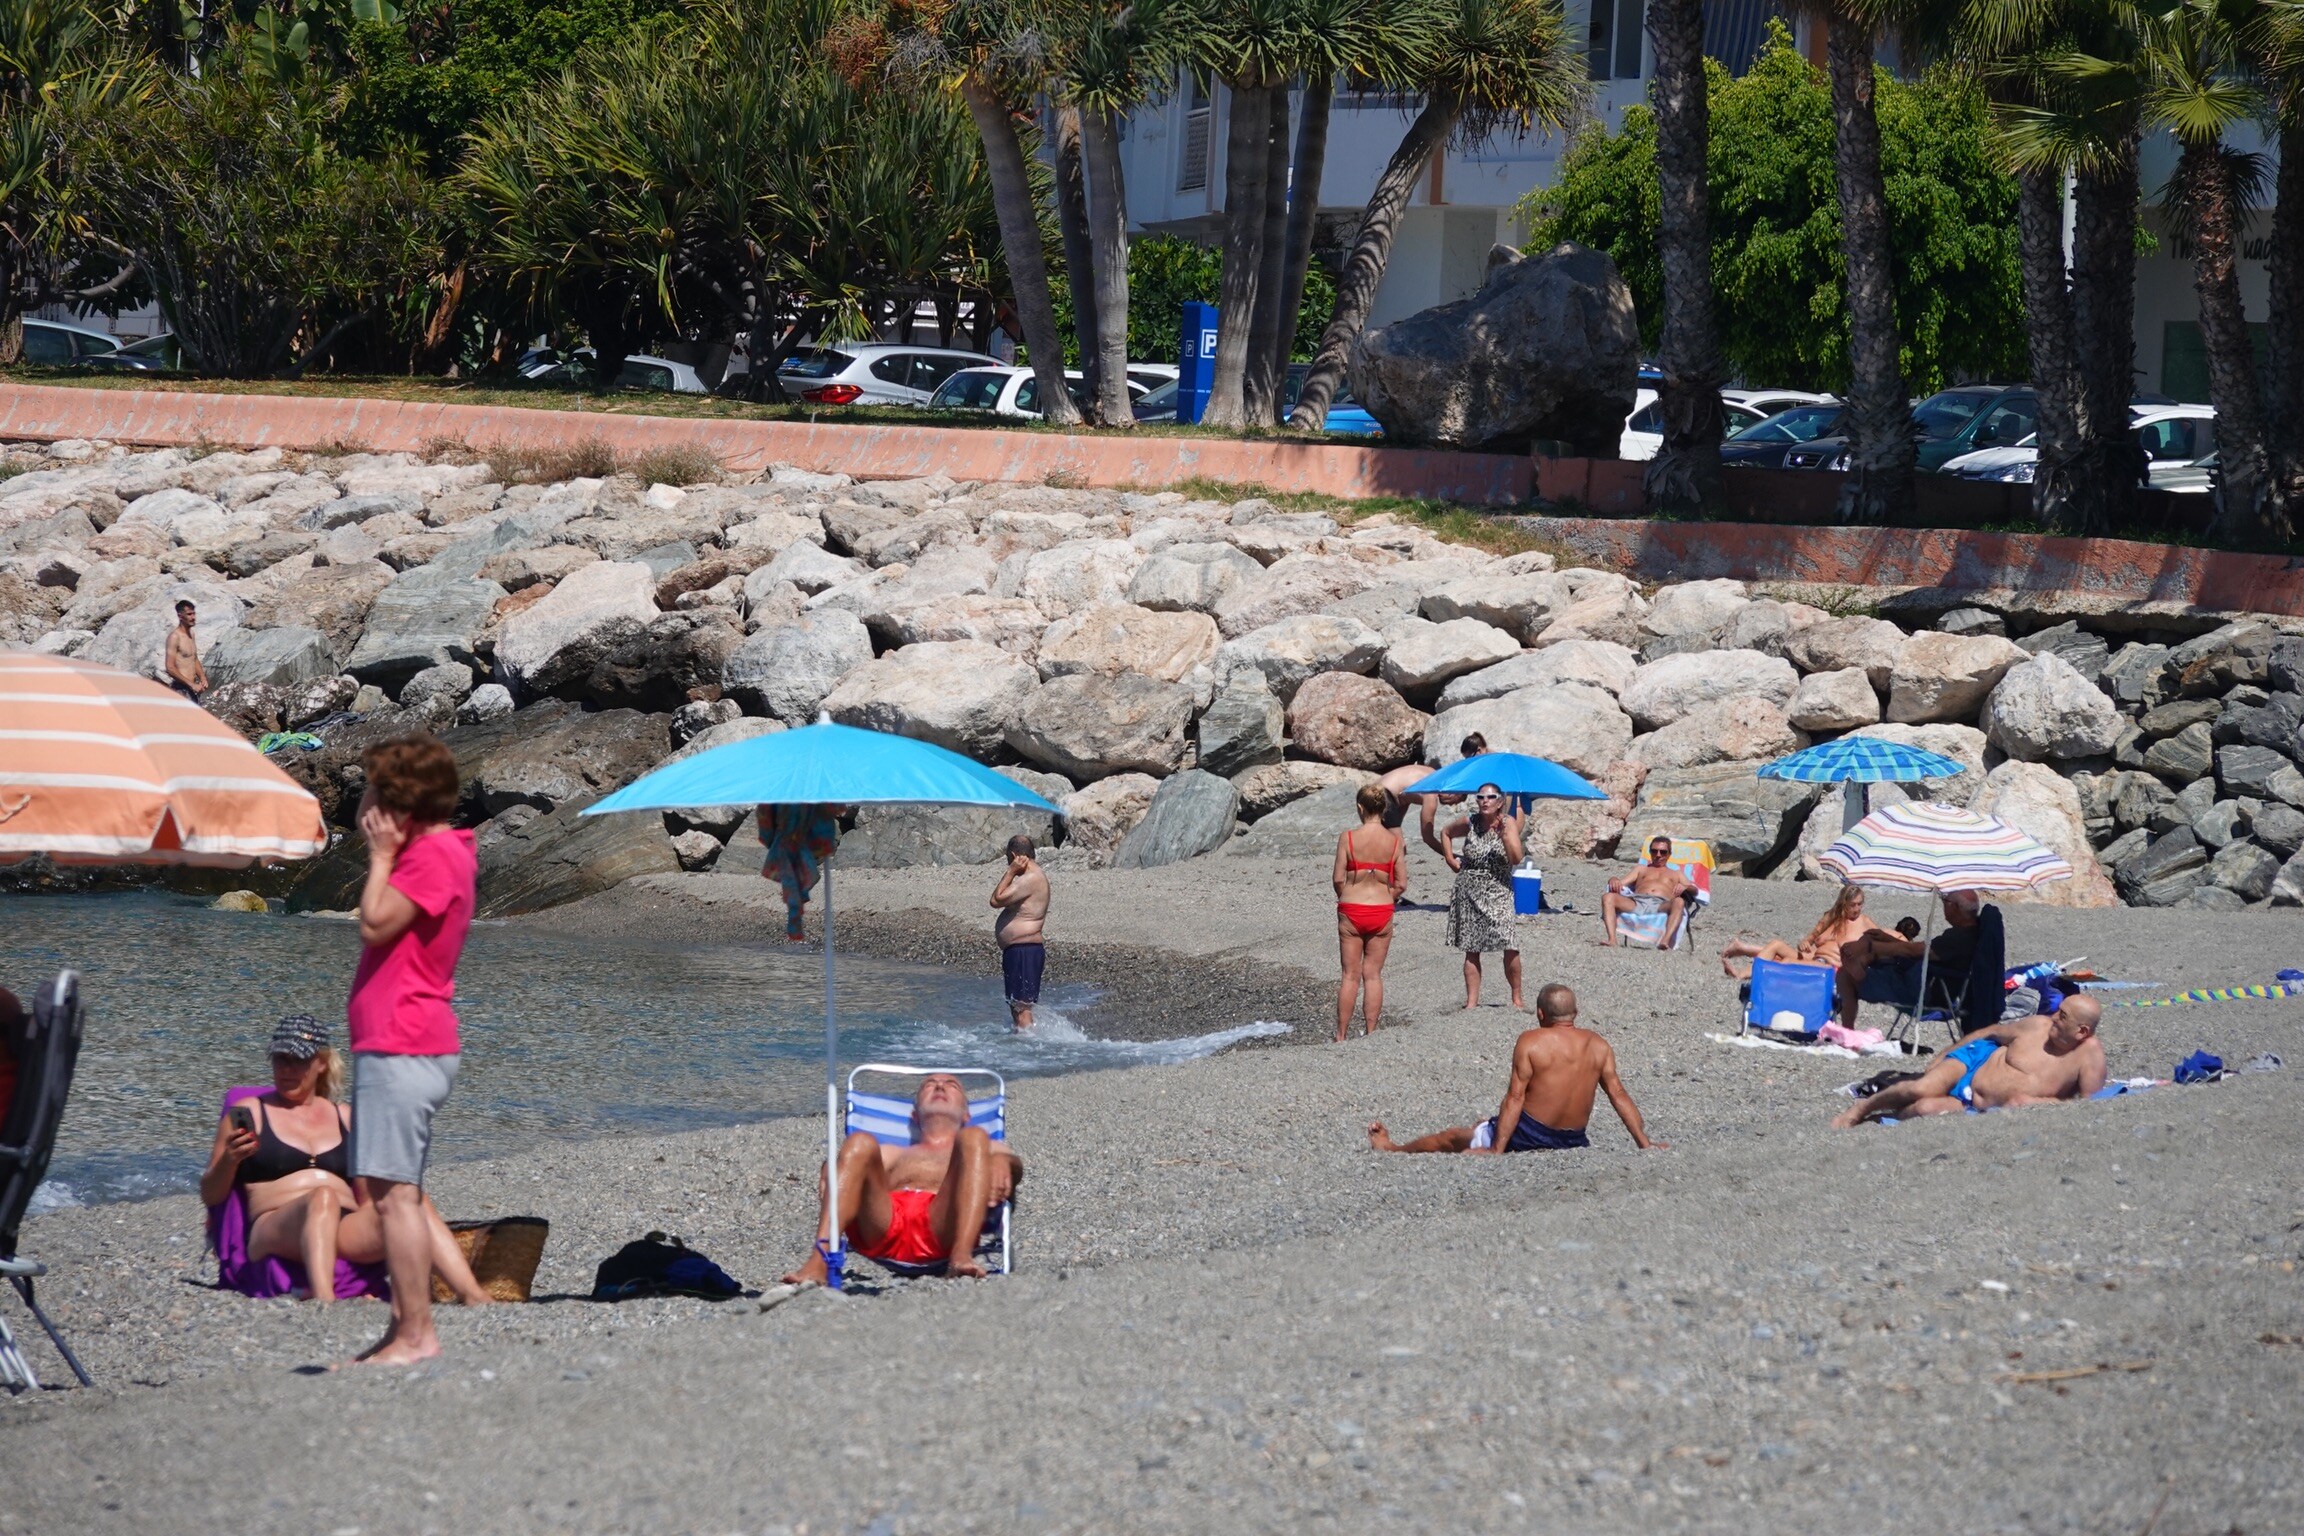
{"x": 1654, "y": 887}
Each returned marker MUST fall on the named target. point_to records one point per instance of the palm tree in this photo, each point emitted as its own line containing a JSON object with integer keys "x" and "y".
{"x": 1495, "y": 66}
{"x": 2281, "y": 50}
{"x": 1251, "y": 46}
{"x": 1685, "y": 474}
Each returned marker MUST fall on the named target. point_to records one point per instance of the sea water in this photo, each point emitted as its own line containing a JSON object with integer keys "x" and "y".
{"x": 563, "y": 1038}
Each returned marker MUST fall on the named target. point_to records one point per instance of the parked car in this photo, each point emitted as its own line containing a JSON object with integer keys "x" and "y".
{"x": 874, "y": 374}
{"x": 1002, "y": 390}
{"x": 1644, "y": 428}
{"x": 1346, "y": 416}
{"x": 52, "y": 345}
{"x": 154, "y": 354}
{"x": 661, "y": 373}
{"x": 1949, "y": 423}
{"x": 2175, "y": 438}
{"x": 1769, "y": 444}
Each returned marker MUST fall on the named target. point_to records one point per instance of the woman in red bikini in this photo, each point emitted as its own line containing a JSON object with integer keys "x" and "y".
{"x": 1371, "y": 872}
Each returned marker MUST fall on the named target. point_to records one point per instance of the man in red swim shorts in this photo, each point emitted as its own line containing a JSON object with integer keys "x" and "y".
{"x": 921, "y": 1204}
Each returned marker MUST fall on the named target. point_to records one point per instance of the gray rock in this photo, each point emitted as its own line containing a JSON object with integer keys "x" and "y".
{"x": 1523, "y": 605}
{"x": 1662, "y": 691}
{"x": 1354, "y": 722}
{"x": 2244, "y": 869}
{"x": 334, "y": 599}
{"x": 1750, "y": 822}
{"x": 1266, "y": 789}
{"x": 1093, "y": 724}
{"x": 2288, "y": 885}
{"x": 134, "y": 639}
{"x": 1548, "y": 348}
{"x": 696, "y": 849}
{"x": 489, "y": 701}
{"x": 960, "y": 694}
{"x": 2042, "y": 710}
{"x": 2195, "y": 800}
{"x": 1190, "y": 577}
{"x": 1192, "y": 813}
{"x": 2248, "y": 770}
{"x": 1098, "y": 817}
{"x": 787, "y": 671}
{"x": 2222, "y": 824}
{"x": 1597, "y": 663}
{"x": 566, "y": 856}
{"x": 452, "y": 683}
{"x": 1304, "y": 828}
{"x": 261, "y": 554}
{"x": 697, "y": 716}
{"x": 910, "y": 836}
{"x": 1834, "y": 645}
{"x": 2083, "y": 652}
{"x": 2214, "y": 663}
{"x": 673, "y": 659}
{"x": 251, "y": 708}
{"x": 2286, "y": 664}
{"x": 1051, "y": 787}
{"x": 425, "y": 618}
{"x": 663, "y": 559}
{"x": 2271, "y": 724}
{"x": 317, "y": 699}
{"x": 282, "y": 657}
{"x": 1971, "y": 621}
{"x": 2187, "y": 755}
{"x": 1945, "y": 677}
{"x": 1420, "y": 656}
{"x": 2214, "y": 899}
{"x": 2123, "y": 848}
{"x": 1293, "y": 649}
{"x": 1243, "y": 726}
{"x": 2132, "y": 676}
{"x": 1577, "y": 726}
{"x": 2169, "y": 718}
{"x": 2279, "y": 828}
{"x": 553, "y": 646}
{"x": 1834, "y": 701}
{"x": 2167, "y": 871}
{"x": 552, "y": 753}
{"x": 357, "y": 509}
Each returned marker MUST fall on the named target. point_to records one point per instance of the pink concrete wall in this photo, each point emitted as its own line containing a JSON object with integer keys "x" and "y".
{"x": 156, "y": 418}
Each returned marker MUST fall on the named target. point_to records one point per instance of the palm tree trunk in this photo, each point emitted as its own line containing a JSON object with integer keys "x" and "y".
{"x": 1879, "y": 487}
{"x": 2244, "y": 514}
{"x": 2106, "y": 202}
{"x": 1371, "y": 250}
{"x": 1247, "y": 143}
{"x": 2284, "y": 388}
{"x": 1264, "y": 331}
{"x": 1108, "y": 231}
{"x": 2060, "y": 501}
{"x": 1020, "y": 244}
{"x": 1303, "y": 208}
{"x": 1072, "y": 222}
{"x": 1685, "y": 474}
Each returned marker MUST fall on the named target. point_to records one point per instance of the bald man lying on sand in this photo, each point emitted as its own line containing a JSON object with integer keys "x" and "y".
{"x": 1557, "y": 1070}
{"x": 2044, "y": 1059}
{"x": 923, "y": 1204}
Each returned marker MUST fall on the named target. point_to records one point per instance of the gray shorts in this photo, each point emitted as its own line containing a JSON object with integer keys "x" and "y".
{"x": 393, "y": 1101}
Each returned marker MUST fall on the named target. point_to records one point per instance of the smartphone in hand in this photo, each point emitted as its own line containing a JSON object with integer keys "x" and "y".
{"x": 243, "y": 1119}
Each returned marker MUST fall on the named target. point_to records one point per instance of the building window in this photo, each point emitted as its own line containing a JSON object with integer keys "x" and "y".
{"x": 1612, "y": 39}
{"x": 1192, "y": 165}
{"x": 1734, "y": 30}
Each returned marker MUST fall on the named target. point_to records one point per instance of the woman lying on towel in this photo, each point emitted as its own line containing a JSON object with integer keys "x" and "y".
{"x": 1843, "y": 923}
{"x": 281, "y": 1205}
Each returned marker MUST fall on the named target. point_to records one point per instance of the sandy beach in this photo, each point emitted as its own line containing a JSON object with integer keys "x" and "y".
{"x": 1231, "y": 1315}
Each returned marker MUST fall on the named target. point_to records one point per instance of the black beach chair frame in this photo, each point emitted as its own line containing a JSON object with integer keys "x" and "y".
{"x": 27, "y": 1137}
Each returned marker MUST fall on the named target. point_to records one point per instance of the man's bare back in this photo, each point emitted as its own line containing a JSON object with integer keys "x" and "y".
{"x": 2044, "y": 1059}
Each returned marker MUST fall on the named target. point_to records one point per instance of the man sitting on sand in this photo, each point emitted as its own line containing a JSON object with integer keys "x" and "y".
{"x": 2039, "y": 1060}
{"x": 1654, "y": 887}
{"x": 1557, "y": 1069}
{"x": 923, "y": 1204}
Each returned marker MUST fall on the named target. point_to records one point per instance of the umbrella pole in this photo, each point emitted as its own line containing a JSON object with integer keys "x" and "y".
{"x": 834, "y": 1248}
{"x": 1920, "y": 1003}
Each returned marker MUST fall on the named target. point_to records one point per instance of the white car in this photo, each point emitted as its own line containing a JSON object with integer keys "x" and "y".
{"x": 1644, "y": 428}
{"x": 644, "y": 372}
{"x": 2174, "y": 439}
{"x": 875, "y": 374}
{"x": 47, "y": 342}
{"x": 1003, "y": 391}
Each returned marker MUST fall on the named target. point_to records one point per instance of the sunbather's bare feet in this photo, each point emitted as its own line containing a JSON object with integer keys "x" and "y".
{"x": 393, "y": 1350}
{"x": 964, "y": 1269}
{"x": 1380, "y": 1139}
{"x": 1849, "y": 1117}
{"x": 810, "y": 1273}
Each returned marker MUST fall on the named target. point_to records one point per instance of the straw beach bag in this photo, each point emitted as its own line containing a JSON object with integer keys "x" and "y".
{"x": 503, "y": 1255}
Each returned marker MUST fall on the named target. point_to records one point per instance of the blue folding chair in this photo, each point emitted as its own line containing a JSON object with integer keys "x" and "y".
{"x": 888, "y": 1119}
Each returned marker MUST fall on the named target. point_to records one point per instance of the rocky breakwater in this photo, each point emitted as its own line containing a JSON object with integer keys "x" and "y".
{"x": 1181, "y": 676}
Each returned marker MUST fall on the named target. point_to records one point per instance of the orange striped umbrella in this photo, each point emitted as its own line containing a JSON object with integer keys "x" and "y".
{"x": 99, "y": 767}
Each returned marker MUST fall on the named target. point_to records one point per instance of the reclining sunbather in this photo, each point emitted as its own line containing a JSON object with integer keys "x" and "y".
{"x": 923, "y": 1204}
{"x": 1842, "y": 922}
{"x": 2039, "y": 1060}
{"x": 1557, "y": 1070}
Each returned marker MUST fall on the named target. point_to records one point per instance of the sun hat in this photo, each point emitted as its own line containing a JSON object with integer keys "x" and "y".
{"x": 299, "y": 1037}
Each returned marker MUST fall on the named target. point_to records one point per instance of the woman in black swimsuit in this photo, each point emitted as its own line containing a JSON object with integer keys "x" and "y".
{"x": 292, "y": 1171}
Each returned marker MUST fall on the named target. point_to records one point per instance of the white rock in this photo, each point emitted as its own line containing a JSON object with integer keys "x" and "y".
{"x": 809, "y": 566}
{"x": 1010, "y": 623}
{"x": 1834, "y": 701}
{"x": 1834, "y": 645}
{"x": 1662, "y": 691}
{"x": 1072, "y": 577}
{"x": 1741, "y": 729}
{"x": 1123, "y": 637}
{"x": 1290, "y": 651}
{"x": 2043, "y": 708}
{"x": 1945, "y": 677}
{"x": 787, "y": 671}
{"x": 1694, "y": 608}
{"x": 775, "y": 530}
{"x": 1523, "y": 604}
{"x": 1594, "y": 663}
{"x": 587, "y": 602}
{"x": 1420, "y": 656}
{"x": 1602, "y": 606}
{"x": 1298, "y": 584}
{"x": 1098, "y": 816}
{"x": 489, "y": 701}
{"x": 1191, "y": 577}
{"x": 959, "y": 694}
{"x": 1573, "y": 725}
{"x": 2040, "y": 801}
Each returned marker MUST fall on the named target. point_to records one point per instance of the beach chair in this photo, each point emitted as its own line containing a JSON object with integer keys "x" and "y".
{"x": 1692, "y": 859}
{"x": 888, "y": 1118}
{"x": 27, "y": 1137}
{"x": 1775, "y": 988}
{"x": 1947, "y": 1002}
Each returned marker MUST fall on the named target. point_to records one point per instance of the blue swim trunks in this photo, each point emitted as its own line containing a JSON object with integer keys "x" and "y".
{"x": 1020, "y": 968}
{"x": 1970, "y": 1056}
{"x": 1531, "y": 1135}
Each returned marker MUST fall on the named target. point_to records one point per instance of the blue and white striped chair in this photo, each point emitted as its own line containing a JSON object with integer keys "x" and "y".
{"x": 888, "y": 1119}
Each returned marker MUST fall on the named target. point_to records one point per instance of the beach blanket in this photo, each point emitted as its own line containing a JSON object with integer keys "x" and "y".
{"x": 1756, "y": 1043}
{"x": 2275, "y": 989}
{"x": 236, "y": 1271}
{"x": 799, "y": 838}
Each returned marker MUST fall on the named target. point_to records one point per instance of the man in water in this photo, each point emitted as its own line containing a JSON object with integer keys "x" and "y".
{"x": 180, "y": 660}
{"x": 923, "y": 1204}
{"x": 1557, "y": 1069}
{"x": 2040, "y": 1060}
{"x": 1022, "y": 899}
{"x": 1654, "y": 887}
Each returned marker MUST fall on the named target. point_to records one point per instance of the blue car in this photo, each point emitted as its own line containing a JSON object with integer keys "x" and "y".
{"x": 1347, "y": 417}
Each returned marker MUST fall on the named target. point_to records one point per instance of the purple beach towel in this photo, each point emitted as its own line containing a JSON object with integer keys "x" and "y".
{"x": 236, "y": 1271}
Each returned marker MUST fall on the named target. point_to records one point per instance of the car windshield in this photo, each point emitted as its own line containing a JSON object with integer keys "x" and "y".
{"x": 1297, "y": 373}
{"x": 971, "y": 389}
{"x": 1942, "y": 416}
{"x": 1801, "y": 424}
{"x": 815, "y": 363}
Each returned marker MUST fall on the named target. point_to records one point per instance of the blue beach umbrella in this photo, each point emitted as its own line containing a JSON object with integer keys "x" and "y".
{"x": 1535, "y": 777}
{"x": 1861, "y": 760}
{"x": 823, "y": 764}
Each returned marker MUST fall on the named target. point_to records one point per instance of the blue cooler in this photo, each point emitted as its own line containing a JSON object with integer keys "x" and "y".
{"x": 1527, "y": 891}
{"x": 1802, "y": 989}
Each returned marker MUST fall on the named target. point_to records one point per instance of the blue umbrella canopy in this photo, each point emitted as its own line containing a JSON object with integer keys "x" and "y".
{"x": 1861, "y": 760}
{"x": 1512, "y": 773}
{"x": 821, "y": 764}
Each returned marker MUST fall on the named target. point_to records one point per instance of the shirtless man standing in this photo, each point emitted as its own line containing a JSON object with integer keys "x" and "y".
{"x": 1022, "y": 897}
{"x": 923, "y": 1204}
{"x": 180, "y": 662}
{"x": 1557, "y": 1070}
{"x": 2039, "y": 1060}
{"x": 1654, "y": 887}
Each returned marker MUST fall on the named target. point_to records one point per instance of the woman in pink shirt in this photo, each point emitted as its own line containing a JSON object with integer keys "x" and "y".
{"x": 414, "y": 912}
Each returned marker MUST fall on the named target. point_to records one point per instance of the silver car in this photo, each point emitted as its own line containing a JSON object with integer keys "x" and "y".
{"x": 875, "y": 374}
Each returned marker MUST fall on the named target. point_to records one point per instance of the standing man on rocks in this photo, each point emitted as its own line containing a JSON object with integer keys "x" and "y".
{"x": 1022, "y": 901}
{"x": 180, "y": 658}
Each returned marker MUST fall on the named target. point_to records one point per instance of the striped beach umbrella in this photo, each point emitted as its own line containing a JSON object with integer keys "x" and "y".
{"x": 1921, "y": 846}
{"x": 1861, "y": 760}
{"x": 100, "y": 767}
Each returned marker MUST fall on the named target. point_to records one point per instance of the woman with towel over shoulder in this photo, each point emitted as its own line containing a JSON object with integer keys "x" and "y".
{"x": 1371, "y": 872}
{"x": 1480, "y": 916}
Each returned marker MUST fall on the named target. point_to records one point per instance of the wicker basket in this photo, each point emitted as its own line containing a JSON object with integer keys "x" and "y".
{"x": 503, "y": 1254}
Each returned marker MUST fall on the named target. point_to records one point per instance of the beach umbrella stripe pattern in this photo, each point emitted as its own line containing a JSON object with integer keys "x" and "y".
{"x": 98, "y": 766}
{"x": 1861, "y": 760}
{"x": 1920, "y": 846}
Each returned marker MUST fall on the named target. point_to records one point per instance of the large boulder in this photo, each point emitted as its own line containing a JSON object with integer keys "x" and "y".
{"x": 2042, "y": 709}
{"x": 908, "y": 836}
{"x": 1244, "y": 726}
{"x": 1123, "y": 637}
{"x": 2135, "y": 676}
{"x": 959, "y": 694}
{"x": 1595, "y": 663}
{"x": 787, "y": 671}
{"x": 554, "y": 644}
{"x": 334, "y": 599}
{"x": 2244, "y": 869}
{"x": 1695, "y": 610}
{"x": 1663, "y": 691}
{"x": 1420, "y": 655}
{"x": 135, "y": 639}
{"x": 1303, "y": 828}
{"x": 1264, "y": 790}
{"x": 1548, "y": 348}
{"x": 566, "y": 856}
{"x": 677, "y": 657}
{"x": 2041, "y": 802}
{"x": 1292, "y": 650}
{"x": 1584, "y": 829}
{"x": 1834, "y": 701}
{"x": 2171, "y": 867}
{"x": 1964, "y": 744}
{"x": 2288, "y": 885}
{"x": 2084, "y": 652}
{"x": 2273, "y": 723}
{"x": 282, "y": 657}
{"x": 1009, "y": 623}
{"x": 2208, "y": 666}
{"x": 1745, "y": 728}
{"x": 2188, "y": 755}
{"x": 1522, "y": 604}
{"x": 425, "y": 618}
{"x": 1075, "y": 576}
{"x": 1295, "y": 585}
{"x": 1608, "y": 608}
{"x": 1098, "y": 816}
{"x": 1192, "y": 813}
{"x": 1090, "y": 724}
{"x": 1573, "y": 725}
{"x": 1749, "y": 821}
{"x": 1190, "y": 577}
{"x": 552, "y": 753}
{"x": 806, "y": 565}
{"x": 2259, "y": 772}
{"x": 1354, "y": 722}
{"x": 1945, "y": 677}
{"x": 1834, "y": 645}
